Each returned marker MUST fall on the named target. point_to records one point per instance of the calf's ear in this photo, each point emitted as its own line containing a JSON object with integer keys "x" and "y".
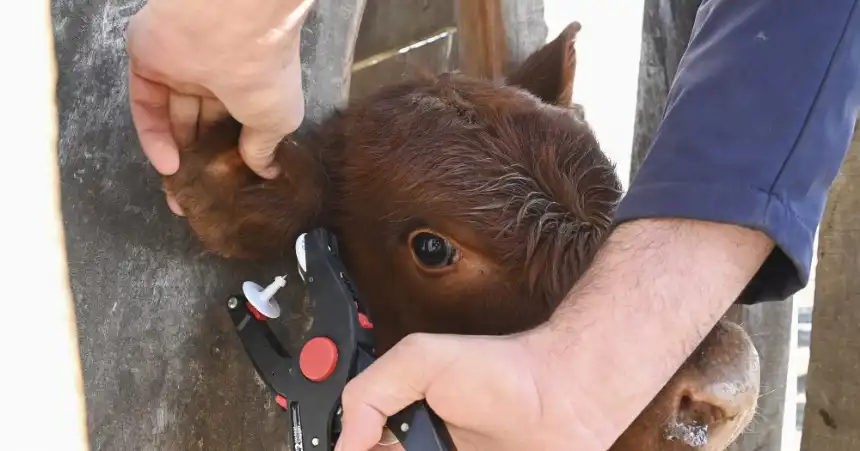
{"x": 235, "y": 212}
{"x": 548, "y": 72}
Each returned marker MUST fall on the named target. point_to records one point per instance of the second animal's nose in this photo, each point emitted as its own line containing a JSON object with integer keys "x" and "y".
{"x": 717, "y": 393}
{"x": 717, "y": 403}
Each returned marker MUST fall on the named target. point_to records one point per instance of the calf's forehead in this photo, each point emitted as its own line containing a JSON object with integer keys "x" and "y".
{"x": 465, "y": 148}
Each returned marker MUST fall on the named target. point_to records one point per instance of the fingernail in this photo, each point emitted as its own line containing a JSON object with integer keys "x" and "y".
{"x": 165, "y": 168}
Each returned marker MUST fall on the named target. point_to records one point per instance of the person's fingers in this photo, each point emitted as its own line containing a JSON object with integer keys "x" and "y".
{"x": 268, "y": 113}
{"x": 388, "y": 442}
{"x": 400, "y": 377}
{"x": 260, "y": 136}
{"x": 211, "y": 111}
{"x": 257, "y": 148}
{"x": 150, "y": 113}
{"x": 184, "y": 115}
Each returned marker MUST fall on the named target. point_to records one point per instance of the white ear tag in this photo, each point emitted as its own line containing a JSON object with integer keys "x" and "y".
{"x": 263, "y": 298}
{"x": 300, "y": 255}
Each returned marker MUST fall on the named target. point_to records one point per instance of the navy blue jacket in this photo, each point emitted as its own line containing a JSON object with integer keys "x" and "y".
{"x": 757, "y": 124}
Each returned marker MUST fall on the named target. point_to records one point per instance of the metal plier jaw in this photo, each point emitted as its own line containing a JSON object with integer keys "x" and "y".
{"x": 339, "y": 347}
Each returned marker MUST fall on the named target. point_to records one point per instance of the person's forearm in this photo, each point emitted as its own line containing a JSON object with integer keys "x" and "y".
{"x": 655, "y": 290}
{"x": 757, "y": 124}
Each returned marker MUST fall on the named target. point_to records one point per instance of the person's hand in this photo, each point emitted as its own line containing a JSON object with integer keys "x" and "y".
{"x": 499, "y": 393}
{"x": 194, "y": 61}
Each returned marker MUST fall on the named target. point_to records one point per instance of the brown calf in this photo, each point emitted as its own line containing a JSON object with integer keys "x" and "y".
{"x": 463, "y": 207}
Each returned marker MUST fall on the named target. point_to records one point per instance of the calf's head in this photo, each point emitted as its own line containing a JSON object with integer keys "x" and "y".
{"x": 464, "y": 207}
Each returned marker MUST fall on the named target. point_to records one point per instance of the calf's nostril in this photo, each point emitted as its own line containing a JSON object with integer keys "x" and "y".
{"x": 699, "y": 411}
{"x": 713, "y": 404}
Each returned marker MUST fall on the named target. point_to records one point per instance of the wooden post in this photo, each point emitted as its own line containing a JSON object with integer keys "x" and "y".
{"x": 832, "y": 416}
{"x": 483, "y": 41}
{"x": 498, "y": 35}
{"x": 390, "y": 49}
{"x": 666, "y": 30}
{"x": 328, "y": 45}
{"x": 42, "y": 392}
{"x": 769, "y": 326}
{"x": 525, "y": 29}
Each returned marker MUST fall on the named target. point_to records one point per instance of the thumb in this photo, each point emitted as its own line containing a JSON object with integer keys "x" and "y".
{"x": 257, "y": 147}
{"x": 269, "y": 112}
{"x": 259, "y": 139}
{"x": 402, "y": 375}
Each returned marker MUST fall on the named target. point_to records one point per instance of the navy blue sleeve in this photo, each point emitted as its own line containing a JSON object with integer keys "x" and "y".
{"x": 757, "y": 124}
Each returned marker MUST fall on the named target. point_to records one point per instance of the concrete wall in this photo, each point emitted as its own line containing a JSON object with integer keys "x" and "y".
{"x": 163, "y": 369}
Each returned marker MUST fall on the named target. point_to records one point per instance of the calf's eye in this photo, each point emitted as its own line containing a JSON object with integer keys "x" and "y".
{"x": 432, "y": 250}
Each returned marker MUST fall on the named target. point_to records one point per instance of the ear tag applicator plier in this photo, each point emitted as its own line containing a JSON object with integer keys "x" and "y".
{"x": 340, "y": 345}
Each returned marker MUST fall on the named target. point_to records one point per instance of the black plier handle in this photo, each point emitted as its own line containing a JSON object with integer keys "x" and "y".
{"x": 338, "y": 347}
